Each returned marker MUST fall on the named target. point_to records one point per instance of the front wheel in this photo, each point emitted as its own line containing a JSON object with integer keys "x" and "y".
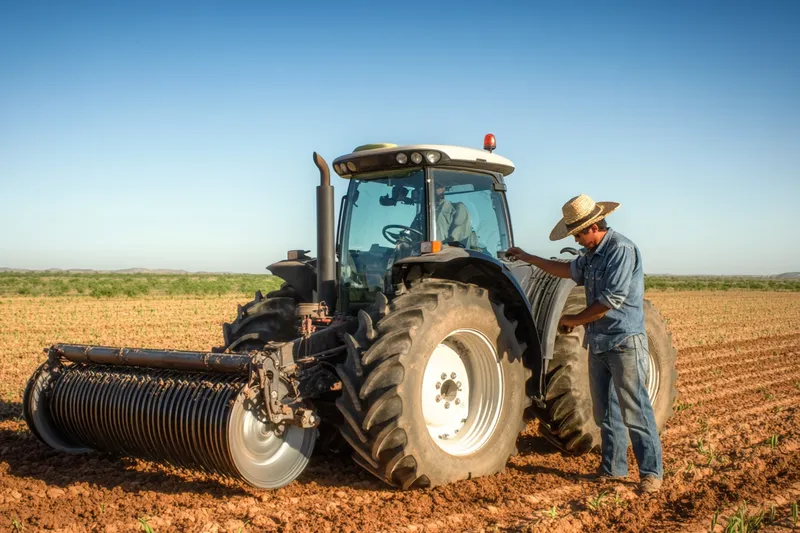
{"x": 438, "y": 395}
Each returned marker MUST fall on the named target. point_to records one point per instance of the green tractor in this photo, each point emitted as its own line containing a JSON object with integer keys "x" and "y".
{"x": 410, "y": 337}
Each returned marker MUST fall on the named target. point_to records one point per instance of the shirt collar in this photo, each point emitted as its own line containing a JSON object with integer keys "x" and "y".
{"x": 602, "y": 245}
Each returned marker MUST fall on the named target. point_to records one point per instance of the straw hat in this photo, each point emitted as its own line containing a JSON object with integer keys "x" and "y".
{"x": 580, "y": 213}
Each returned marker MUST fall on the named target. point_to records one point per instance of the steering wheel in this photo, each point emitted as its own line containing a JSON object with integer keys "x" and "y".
{"x": 394, "y": 237}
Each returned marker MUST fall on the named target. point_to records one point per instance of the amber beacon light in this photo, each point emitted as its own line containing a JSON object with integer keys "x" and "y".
{"x": 489, "y": 142}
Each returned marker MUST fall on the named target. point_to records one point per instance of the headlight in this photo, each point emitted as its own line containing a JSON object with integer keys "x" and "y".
{"x": 351, "y": 166}
{"x": 416, "y": 158}
{"x": 402, "y": 159}
{"x": 433, "y": 157}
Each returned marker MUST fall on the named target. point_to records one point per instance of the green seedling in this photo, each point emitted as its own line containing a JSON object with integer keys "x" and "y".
{"x": 709, "y": 453}
{"x": 145, "y": 526}
{"x": 714, "y": 521}
{"x": 552, "y": 512}
{"x": 618, "y": 501}
{"x": 242, "y": 528}
{"x": 772, "y": 441}
{"x": 743, "y": 522}
{"x": 767, "y": 393}
{"x": 680, "y": 406}
{"x": 794, "y": 514}
{"x": 771, "y": 512}
{"x": 596, "y": 503}
{"x": 16, "y": 524}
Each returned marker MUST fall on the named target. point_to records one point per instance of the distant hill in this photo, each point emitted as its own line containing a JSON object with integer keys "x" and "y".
{"x": 120, "y": 271}
{"x": 789, "y": 275}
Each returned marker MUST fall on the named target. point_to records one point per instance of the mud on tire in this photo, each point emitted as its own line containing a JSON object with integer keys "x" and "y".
{"x": 389, "y": 385}
{"x": 569, "y": 420}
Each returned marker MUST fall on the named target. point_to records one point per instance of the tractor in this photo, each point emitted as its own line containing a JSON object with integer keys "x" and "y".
{"x": 411, "y": 341}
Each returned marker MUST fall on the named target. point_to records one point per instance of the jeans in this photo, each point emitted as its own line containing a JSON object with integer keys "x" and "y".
{"x": 618, "y": 384}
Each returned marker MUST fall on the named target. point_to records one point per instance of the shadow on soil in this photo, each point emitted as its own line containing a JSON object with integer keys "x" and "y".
{"x": 27, "y": 457}
{"x": 10, "y": 410}
{"x": 535, "y": 444}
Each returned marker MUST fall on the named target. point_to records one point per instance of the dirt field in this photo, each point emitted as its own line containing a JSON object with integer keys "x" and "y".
{"x": 734, "y": 438}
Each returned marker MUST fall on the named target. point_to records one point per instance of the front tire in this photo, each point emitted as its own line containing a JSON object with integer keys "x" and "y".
{"x": 439, "y": 394}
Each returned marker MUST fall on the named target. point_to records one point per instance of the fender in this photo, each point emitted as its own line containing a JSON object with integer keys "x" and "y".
{"x": 468, "y": 266}
{"x": 299, "y": 273}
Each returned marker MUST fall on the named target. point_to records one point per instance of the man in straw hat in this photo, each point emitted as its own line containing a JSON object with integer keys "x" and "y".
{"x": 611, "y": 272}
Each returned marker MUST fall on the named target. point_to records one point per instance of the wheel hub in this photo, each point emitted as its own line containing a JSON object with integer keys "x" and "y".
{"x": 461, "y": 393}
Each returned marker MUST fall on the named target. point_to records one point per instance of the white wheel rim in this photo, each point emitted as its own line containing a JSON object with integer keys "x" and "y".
{"x": 653, "y": 377}
{"x": 264, "y": 457}
{"x": 462, "y": 392}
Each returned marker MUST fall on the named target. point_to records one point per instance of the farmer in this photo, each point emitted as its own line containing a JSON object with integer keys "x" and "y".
{"x": 611, "y": 272}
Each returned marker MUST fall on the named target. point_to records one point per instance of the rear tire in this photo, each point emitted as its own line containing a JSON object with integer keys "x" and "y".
{"x": 261, "y": 321}
{"x": 393, "y": 375}
{"x": 569, "y": 422}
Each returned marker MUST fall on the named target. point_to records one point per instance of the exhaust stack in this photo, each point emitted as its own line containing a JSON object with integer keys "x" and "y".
{"x": 326, "y": 254}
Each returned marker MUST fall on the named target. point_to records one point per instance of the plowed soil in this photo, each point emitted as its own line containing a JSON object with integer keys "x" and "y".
{"x": 734, "y": 439}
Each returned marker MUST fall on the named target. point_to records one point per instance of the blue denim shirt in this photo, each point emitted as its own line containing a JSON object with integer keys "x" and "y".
{"x": 612, "y": 274}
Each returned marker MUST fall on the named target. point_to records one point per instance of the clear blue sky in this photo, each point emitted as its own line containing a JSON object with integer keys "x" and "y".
{"x": 179, "y": 135}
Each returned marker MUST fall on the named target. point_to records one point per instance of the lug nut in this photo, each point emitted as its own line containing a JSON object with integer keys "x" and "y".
{"x": 458, "y": 384}
{"x": 438, "y": 385}
{"x": 458, "y": 401}
{"x": 444, "y": 376}
{"x": 447, "y": 405}
{"x": 453, "y": 375}
{"x": 438, "y": 398}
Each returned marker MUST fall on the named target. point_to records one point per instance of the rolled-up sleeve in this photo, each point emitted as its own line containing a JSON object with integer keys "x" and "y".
{"x": 576, "y": 267}
{"x": 619, "y": 272}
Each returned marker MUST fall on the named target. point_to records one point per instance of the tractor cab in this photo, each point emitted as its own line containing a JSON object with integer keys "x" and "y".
{"x": 406, "y": 201}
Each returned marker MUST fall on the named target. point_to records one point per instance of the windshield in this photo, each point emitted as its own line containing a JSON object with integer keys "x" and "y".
{"x": 470, "y": 213}
{"x": 385, "y": 222}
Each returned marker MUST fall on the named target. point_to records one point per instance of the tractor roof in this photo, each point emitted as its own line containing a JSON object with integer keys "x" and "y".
{"x": 377, "y": 157}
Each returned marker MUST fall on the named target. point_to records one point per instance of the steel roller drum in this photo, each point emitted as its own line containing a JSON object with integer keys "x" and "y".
{"x": 187, "y": 419}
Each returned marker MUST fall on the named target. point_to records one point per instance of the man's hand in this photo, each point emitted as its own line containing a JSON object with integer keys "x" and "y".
{"x": 516, "y": 253}
{"x": 556, "y": 268}
{"x": 567, "y": 323}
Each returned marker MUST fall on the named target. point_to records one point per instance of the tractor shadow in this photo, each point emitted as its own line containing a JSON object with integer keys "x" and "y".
{"x": 533, "y": 444}
{"x": 10, "y": 410}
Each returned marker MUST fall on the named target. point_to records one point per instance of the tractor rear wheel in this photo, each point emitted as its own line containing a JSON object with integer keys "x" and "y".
{"x": 434, "y": 393}
{"x": 261, "y": 321}
{"x": 569, "y": 420}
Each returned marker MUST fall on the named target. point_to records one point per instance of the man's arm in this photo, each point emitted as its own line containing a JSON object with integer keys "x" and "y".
{"x": 590, "y": 314}
{"x": 556, "y": 268}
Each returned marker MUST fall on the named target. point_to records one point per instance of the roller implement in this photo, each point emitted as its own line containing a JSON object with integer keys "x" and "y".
{"x": 409, "y": 341}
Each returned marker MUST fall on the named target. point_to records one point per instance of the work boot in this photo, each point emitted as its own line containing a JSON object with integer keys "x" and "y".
{"x": 649, "y": 485}
{"x": 602, "y": 476}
